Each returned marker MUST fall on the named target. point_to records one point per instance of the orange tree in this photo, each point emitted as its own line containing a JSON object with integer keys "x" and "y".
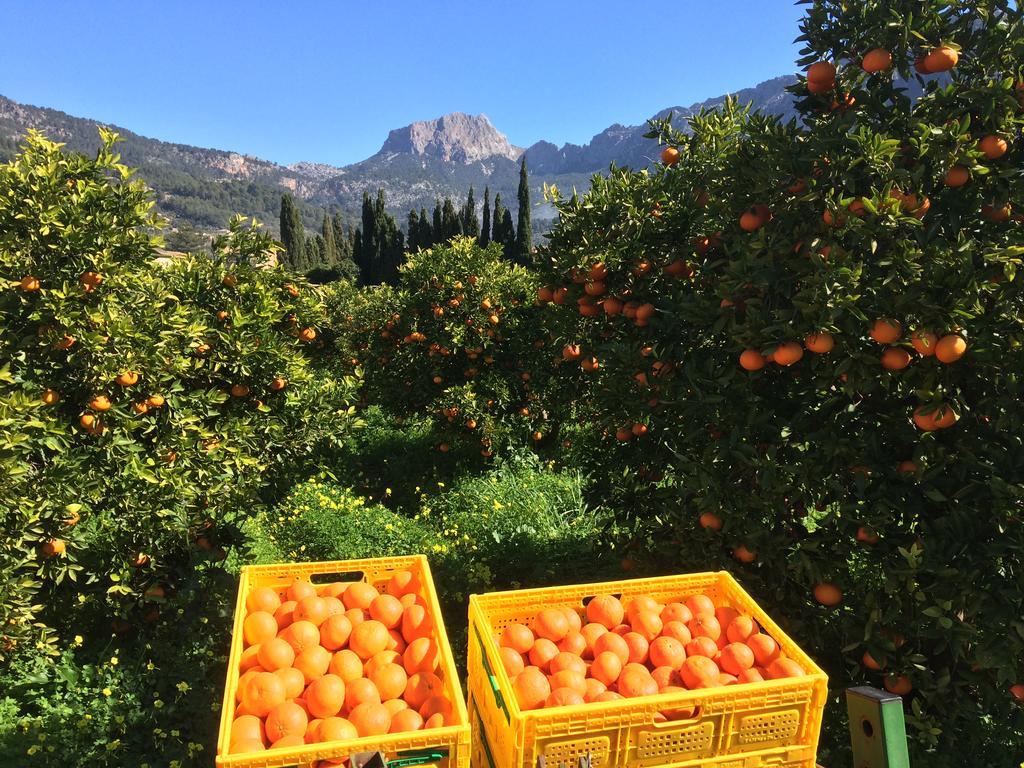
{"x": 143, "y": 407}
{"x": 459, "y": 339}
{"x": 800, "y": 346}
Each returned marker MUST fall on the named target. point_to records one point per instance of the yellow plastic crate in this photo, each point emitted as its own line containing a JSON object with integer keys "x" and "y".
{"x": 774, "y": 723}
{"x": 452, "y": 742}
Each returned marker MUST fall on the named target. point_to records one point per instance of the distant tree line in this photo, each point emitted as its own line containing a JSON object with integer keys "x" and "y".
{"x": 372, "y": 252}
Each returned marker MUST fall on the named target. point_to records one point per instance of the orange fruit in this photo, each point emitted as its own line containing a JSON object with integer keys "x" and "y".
{"x": 361, "y": 691}
{"x": 741, "y": 629}
{"x": 511, "y": 659}
{"x": 518, "y": 637}
{"x": 301, "y": 635}
{"x": 924, "y": 342}
{"x": 636, "y": 682}
{"x": 895, "y": 358}
{"x": 606, "y": 667}
{"x": 886, "y": 331}
{"x": 325, "y": 696}
{"x": 551, "y": 624}
{"x": 676, "y": 612}
{"x": 788, "y": 353}
{"x": 993, "y": 147}
{"x": 381, "y": 659}
{"x": 821, "y": 72}
{"x": 300, "y": 589}
{"x": 710, "y": 521}
{"x": 782, "y": 667}
{"x": 614, "y": 643}
{"x": 667, "y": 652}
{"x": 750, "y": 220}
{"x": 700, "y": 605}
{"x": 950, "y": 348}
{"x": 752, "y": 360}
{"x": 957, "y": 176}
{"x": 638, "y": 645}
{"x": 276, "y": 653}
{"x": 368, "y": 638}
{"x": 337, "y": 729}
{"x": 941, "y": 59}
{"x": 262, "y": 693}
{"x": 406, "y": 720}
{"x": 421, "y": 686}
{"x": 820, "y": 343}
{"x": 416, "y": 622}
{"x": 735, "y": 658}
{"x": 355, "y": 616}
{"x": 702, "y": 646}
{"x": 359, "y": 595}
{"x": 1017, "y": 691}
{"x": 403, "y": 583}
{"x": 249, "y": 658}
{"x": 828, "y": 594}
{"x": 422, "y": 655}
{"x": 565, "y": 661}
{"x": 744, "y": 554}
{"x": 294, "y": 681}
{"x": 247, "y": 727}
{"x": 370, "y": 719}
{"x": 594, "y": 689}
{"x": 705, "y": 626}
{"x": 335, "y": 631}
{"x": 899, "y": 685}
{"x": 929, "y": 418}
{"x": 387, "y": 609}
{"x": 390, "y": 680}
{"x": 311, "y": 609}
{"x": 542, "y": 652}
{"x": 648, "y": 624}
{"x": 876, "y": 60}
{"x": 286, "y": 719}
{"x": 285, "y": 614}
{"x": 569, "y": 678}
{"x": 764, "y": 648}
{"x": 869, "y": 661}
{"x": 573, "y": 643}
{"x": 670, "y": 156}
{"x": 313, "y": 662}
{"x": 531, "y": 688}
{"x": 676, "y": 630}
{"x": 563, "y": 697}
{"x": 346, "y": 665}
{"x": 590, "y": 633}
{"x": 667, "y": 677}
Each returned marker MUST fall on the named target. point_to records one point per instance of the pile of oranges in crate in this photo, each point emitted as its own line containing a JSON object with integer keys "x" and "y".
{"x": 337, "y": 662}
{"x": 642, "y": 648}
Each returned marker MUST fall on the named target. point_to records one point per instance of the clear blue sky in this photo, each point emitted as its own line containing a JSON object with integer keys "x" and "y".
{"x": 325, "y": 81}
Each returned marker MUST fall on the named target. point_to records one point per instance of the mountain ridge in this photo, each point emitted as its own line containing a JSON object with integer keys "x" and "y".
{"x": 416, "y": 164}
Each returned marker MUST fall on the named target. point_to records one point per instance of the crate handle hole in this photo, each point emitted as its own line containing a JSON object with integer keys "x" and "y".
{"x": 675, "y": 715}
{"x": 867, "y": 727}
{"x": 330, "y": 578}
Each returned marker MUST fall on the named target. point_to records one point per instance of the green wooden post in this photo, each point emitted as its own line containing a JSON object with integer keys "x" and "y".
{"x": 877, "y": 730}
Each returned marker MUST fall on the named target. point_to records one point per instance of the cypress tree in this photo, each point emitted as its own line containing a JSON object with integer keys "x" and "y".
{"x": 508, "y": 233}
{"x": 293, "y": 236}
{"x": 330, "y": 256}
{"x": 485, "y": 227}
{"x": 521, "y": 252}
{"x": 426, "y": 234}
{"x": 499, "y": 212}
{"x": 451, "y": 223}
{"x": 438, "y": 225}
{"x": 470, "y": 221}
{"x": 341, "y": 241}
{"x": 413, "y": 231}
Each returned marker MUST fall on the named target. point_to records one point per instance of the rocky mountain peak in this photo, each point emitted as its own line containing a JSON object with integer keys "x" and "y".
{"x": 456, "y": 137}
